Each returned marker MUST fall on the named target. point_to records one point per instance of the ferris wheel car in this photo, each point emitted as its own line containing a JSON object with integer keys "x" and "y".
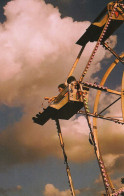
{"x": 95, "y": 29}
{"x": 65, "y": 105}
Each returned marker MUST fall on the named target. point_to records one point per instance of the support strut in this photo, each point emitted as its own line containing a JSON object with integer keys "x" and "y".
{"x": 113, "y": 52}
{"x": 65, "y": 158}
{"x": 75, "y": 63}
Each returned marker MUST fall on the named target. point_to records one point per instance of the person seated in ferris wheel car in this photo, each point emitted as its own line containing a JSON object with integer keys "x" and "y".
{"x": 63, "y": 106}
{"x": 61, "y": 87}
{"x": 74, "y": 88}
{"x": 72, "y": 80}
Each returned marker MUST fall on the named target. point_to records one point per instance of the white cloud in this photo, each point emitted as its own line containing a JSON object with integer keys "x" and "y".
{"x": 51, "y": 190}
{"x": 110, "y": 159}
{"x": 37, "y": 51}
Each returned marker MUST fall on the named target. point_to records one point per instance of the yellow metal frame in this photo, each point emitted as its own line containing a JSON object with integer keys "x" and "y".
{"x": 122, "y": 97}
{"x": 112, "y": 66}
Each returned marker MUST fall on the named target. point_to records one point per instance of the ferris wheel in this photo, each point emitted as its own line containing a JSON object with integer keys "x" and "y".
{"x": 75, "y": 96}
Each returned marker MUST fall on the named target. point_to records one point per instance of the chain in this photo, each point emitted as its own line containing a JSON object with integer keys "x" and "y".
{"x": 86, "y": 108}
{"x": 65, "y": 158}
{"x": 118, "y": 192}
{"x": 98, "y": 43}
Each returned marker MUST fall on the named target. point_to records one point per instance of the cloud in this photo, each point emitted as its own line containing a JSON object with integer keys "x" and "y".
{"x": 111, "y": 141}
{"x": 116, "y": 181}
{"x": 119, "y": 164}
{"x": 112, "y": 41}
{"x": 110, "y": 159}
{"x": 5, "y": 192}
{"x": 37, "y": 51}
{"x": 29, "y": 142}
{"x": 111, "y": 136}
{"x": 50, "y": 190}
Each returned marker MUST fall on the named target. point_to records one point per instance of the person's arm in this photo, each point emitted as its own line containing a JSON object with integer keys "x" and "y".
{"x": 50, "y": 99}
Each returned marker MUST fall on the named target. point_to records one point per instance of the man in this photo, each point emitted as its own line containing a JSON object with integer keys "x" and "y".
{"x": 61, "y": 87}
{"x": 71, "y": 79}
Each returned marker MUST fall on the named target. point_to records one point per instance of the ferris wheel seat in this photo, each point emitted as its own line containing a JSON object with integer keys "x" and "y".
{"x": 63, "y": 108}
{"x": 93, "y": 32}
{"x": 95, "y": 29}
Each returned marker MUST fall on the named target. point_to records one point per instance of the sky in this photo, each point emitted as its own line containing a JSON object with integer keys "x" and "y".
{"x": 37, "y": 47}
